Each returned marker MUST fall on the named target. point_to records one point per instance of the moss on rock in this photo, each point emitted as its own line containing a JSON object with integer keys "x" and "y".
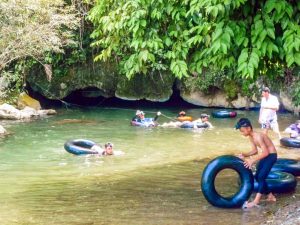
{"x": 154, "y": 87}
{"x": 103, "y": 79}
{"x": 99, "y": 75}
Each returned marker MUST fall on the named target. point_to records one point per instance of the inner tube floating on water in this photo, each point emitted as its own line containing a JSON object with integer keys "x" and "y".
{"x": 208, "y": 182}
{"x": 290, "y": 142}
{"x": 224, "y": 114}
{"x": 80, "y": 147}
{"x": 147, "y": 122}
{"x": 279, "y": 182}
{"x": 287, "y": 165}
{"x": 191, "y": 125}
{"x": 184, "y": 118}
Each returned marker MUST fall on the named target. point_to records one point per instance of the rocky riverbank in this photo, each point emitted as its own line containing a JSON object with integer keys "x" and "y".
{"x": 288, "y": 215}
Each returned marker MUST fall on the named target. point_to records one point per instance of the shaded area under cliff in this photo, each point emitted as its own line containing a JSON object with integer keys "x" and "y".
{"x": 85, "y": 98}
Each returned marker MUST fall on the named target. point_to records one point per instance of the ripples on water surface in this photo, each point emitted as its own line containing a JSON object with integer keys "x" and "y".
{"x": 157, "y": 181}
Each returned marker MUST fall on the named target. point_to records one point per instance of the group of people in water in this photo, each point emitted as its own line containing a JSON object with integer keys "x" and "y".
{"x": 182, "y": 119}
{"x": 265, "y": 160}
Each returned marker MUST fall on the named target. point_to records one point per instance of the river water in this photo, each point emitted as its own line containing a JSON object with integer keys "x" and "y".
{"x": 157, "y": 181}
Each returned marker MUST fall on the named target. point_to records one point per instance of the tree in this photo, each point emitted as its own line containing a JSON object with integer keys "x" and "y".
{"x": 32, "y": 28}
{"x": 250, "y": 37}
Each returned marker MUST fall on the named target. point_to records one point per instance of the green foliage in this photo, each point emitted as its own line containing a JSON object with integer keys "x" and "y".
{"x": 231, "y": 89}
{"x": 186, "y": 37}
{"x": 294, "y": 85}
{"x": 205, "y": 81}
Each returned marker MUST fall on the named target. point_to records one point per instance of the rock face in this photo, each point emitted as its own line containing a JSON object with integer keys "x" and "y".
{"x": 9, "y": 112}
{"x": 25, "y": 100}
{"x": 218, "y": 99}
{"x": 154, "y": 87}
{"x": 101, "y": 79}
{"x": 287, "y": 103}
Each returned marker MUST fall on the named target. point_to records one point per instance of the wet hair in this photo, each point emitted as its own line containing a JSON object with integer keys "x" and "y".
{"x": 243, "y": 122}
{"x": 266, "y": 89}
{"x": 108, "y": 144}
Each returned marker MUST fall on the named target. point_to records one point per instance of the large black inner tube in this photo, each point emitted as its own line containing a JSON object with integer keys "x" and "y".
{"x": 208, "y": 182}
{"x": 290, "y": 142}
{"x": 287, "y": 165}
{"x": 279, "y": 182}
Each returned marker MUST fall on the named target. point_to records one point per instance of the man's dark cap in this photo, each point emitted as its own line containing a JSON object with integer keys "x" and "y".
{"x": 243, "y": 122}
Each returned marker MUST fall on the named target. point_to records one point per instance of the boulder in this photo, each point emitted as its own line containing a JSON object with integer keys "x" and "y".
{"x": 2, "y": 130}
{"x": 217, "y": 99}
{"x": 9, "y": 112}
{"x": 287, "y": 103}
{"x": 25, "y": 100}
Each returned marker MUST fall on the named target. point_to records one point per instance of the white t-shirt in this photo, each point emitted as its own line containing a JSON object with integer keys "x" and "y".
{"x": 269, "y": 114}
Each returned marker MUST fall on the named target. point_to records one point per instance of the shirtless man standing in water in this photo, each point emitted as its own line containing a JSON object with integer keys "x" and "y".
{"x": 266, "y": 159}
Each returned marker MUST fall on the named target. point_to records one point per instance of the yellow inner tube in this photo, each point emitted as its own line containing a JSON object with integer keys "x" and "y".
{"x": 185, "y": 118}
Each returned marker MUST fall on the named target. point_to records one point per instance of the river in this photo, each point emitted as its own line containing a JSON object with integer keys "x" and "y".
{"x": 157, "y": 181}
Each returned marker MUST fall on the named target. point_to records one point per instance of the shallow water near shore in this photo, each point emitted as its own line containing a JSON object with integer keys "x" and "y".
{"x": 157, "y": 181}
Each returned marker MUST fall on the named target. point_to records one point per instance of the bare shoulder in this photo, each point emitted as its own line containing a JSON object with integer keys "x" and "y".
{"x": 258, "y": 135}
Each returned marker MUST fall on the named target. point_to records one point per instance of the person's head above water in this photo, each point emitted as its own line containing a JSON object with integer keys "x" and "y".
{"x": 244, "y": 125}
{"x": 182, "y": 113}
{"x": 108, "y": 148}
{"x": 140, "y": 113}
{"x": 204, "y": 117}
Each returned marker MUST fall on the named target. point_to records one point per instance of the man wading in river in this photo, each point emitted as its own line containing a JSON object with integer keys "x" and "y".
{"x": 266, "y": 159}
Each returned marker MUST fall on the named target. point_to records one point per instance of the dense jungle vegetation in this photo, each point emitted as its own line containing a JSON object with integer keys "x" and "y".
{"x": 231, "y": 44}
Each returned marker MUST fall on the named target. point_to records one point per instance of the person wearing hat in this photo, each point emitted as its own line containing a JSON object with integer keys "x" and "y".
{"x": 265, "y": 159}
{"x": 294, "y": 130}
{"x": 140, "y": 118}
{"x": 267, "y": 113}
{"x": 203, "y": 120}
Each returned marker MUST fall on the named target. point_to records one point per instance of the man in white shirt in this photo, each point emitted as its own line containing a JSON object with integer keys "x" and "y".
{"x": 267, "y": 114}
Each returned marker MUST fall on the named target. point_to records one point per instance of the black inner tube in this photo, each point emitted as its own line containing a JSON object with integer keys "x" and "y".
{"x": 208, "y": 182}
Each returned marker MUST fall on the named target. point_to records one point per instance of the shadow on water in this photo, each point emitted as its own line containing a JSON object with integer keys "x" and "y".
{"x": 81, "y": 98}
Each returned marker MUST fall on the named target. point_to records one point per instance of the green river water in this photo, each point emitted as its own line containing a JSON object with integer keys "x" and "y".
{"x": 157, "y": 181}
